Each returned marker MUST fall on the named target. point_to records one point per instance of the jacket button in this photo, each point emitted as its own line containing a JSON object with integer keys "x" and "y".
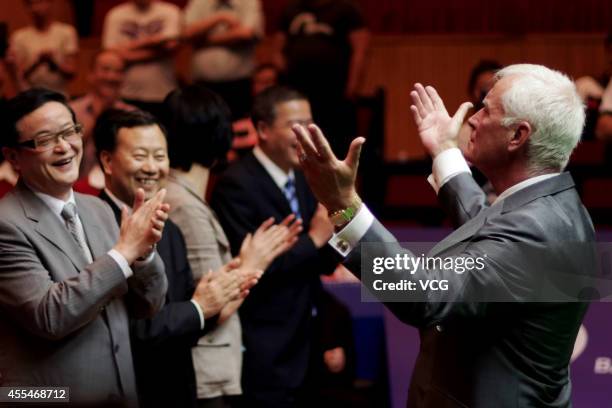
{"x": 439, "y": 328}
{"x": 116, "y": 348}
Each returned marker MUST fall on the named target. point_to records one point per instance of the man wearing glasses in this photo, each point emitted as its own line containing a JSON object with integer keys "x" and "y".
{"x": 68, "y": 276}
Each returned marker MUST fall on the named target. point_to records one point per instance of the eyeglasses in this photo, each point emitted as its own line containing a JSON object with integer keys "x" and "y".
{"x": 45, "y": 142}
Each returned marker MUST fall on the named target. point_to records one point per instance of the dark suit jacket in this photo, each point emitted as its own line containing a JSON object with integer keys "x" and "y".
{"x": 162, "y": 344}
{"x": 276, "y": 316}
{"x": 498, "y": 354}
{"x": 64, "y": 322}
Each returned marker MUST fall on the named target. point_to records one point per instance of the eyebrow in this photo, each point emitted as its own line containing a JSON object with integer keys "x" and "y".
{"x": 49, "y": 132}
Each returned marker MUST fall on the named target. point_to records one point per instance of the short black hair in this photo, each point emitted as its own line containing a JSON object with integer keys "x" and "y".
{"x": 111, "y": 121}
{"x": 264, "y": 105}
{"x": 23, "y": 104}
{"x": 479, "y": 69}
{"x": 199, "y": 127}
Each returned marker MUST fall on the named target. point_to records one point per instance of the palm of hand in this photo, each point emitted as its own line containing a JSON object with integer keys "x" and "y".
{"x": 437, "y": 128}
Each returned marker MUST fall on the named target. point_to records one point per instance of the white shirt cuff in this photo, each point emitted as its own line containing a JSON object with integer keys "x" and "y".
{"x": 348, "y": 237}
{"x": 200, "y": 313}
{"x": 445, "y": 166}
{"x": 146, "y": 261}
{"x": 122, "y": 262}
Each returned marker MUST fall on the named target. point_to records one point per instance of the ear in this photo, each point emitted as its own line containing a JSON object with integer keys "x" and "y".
{"x": 262, "y": 130}
{"x": 106, "y": 161}
{"x": 520, "y": 137}
{"x": 10, "y": 155}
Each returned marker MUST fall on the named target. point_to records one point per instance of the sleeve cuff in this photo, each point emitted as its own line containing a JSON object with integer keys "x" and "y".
{"x": 122, "y": 262}
{"x": 144, "y": 262}
{"x": 348, "y": 237}
{"x": 445, "y": 166}
{"x": 200, "y": 313}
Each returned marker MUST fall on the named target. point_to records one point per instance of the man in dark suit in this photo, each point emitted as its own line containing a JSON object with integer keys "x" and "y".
{"x": 132, "y": 150}
{"x": 277, "y": 316}
{"x": 501, "y": 334}
{"x": 68, "y": 276}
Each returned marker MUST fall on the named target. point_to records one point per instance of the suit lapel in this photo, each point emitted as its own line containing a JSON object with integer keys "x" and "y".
{"x": 92, "y": 230}
{"x": 269, "y": 187}
{"x": 49, "y": 226}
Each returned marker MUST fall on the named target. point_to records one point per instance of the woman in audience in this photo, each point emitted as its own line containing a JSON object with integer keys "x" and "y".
{"x": 199, "y": 135}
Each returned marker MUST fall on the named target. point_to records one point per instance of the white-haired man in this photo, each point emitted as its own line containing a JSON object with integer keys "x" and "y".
{"x": 501, "y": 334}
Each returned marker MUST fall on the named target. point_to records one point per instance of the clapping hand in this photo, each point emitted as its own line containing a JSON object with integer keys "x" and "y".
{"x": 331, "y": 180}
{"x": 438, "y": 131}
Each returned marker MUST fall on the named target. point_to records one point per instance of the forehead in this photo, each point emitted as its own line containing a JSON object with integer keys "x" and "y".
{"x": 296, "y": 108}
{"x": 493, "y": 98}
{"x": 47, "y": 117}
{"x": 141, "y": 137}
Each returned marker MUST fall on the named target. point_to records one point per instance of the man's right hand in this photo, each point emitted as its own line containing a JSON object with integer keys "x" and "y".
{"x": 321, "y": 228}
{"x": 438, "y": 131}
{"x": 143, "y": 228}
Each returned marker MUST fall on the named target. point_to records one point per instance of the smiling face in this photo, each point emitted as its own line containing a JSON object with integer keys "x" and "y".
{"x": 488, "y": 144}
{"x": 140, "y": 160}
{"x": 53, "y": 171}
{"x": 278, "y": 140}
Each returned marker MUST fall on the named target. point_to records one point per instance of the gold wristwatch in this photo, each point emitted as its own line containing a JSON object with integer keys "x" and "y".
{"x": 344, "y": 216}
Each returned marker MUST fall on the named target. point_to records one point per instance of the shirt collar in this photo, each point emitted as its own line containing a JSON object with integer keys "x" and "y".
{"x": 523, "y": 184}
{"x": 278, "y": 175}
{"x": 55, "y": 204}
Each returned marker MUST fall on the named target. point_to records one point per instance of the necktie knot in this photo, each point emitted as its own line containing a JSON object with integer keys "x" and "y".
{"x": 69, "y": 212}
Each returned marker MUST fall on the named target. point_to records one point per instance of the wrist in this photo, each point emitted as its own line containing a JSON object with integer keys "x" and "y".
{"x": 450, "y": 144}
{"x": 343, "y": 216}
{"x": 129, "y": 255}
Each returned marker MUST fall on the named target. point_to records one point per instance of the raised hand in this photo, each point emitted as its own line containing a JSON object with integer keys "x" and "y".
{"x": 332, "y": 181}
{"x": 258, "y": 250}
{"x": 438, "y": 131}
{"x": 143, "y": 228}
{"x": 216, "y": 289}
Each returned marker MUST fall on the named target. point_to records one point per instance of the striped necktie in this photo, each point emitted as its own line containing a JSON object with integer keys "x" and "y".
{"x": 290, "y": 194}
{"x": 69, "y": 214}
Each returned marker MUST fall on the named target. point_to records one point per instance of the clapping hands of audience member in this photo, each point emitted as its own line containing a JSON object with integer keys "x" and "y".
{"x": 142, "y": 229}
{"x": 321, "y": 228}
{"x": 259, "y": 249}
{"x": 438, "y": 131}
{"x": 216, "y": 289}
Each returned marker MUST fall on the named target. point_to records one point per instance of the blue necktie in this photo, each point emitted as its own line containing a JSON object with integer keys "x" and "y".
{"x": 289, "y": 192}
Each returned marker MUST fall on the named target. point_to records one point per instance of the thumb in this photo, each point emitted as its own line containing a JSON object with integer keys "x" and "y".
{"x": 462, "y": 111}
{"x": 352, "y": 158}
{"x": 138, "y": 199}
{"x": 124, "y": 214}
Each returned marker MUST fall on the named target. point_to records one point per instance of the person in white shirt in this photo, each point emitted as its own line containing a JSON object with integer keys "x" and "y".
{"x": 44, "y": 53}
{"x": 145, "y": 33}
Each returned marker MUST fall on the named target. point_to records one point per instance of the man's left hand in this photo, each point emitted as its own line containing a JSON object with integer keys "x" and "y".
{"x": 332, "y": 181}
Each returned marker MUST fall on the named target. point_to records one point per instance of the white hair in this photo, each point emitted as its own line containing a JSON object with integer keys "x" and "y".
{"x": 549, "y": 102}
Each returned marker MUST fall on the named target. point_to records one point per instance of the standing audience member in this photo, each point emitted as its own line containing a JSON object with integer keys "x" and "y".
{"x": 133, "y": 151}
{"x": 224, "y": 34}
{"x": 277, "y": 317}
{"x": 105, "y": 78}
{"x": 44, "y": 53}
{"x": 69, "y": 278}
{"x": 322, "y": 44}
{"x": 199, "y": 135}
{"x": 145, "y": 34}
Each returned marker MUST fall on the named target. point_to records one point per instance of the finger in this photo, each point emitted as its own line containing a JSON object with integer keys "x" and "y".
{"x": 352, "y": 158}
{"x": 287, "y": 221}
{"x": 161, "y": 215}
{"x": 415, "y": 115}
{"x": 425, "y": 99}
{"x": 435, "y": 99}
{"x": 418, "y": 104}
{"x": 125, "y": 214}
{"x": 157, "y": 224}
{"x": 266, "y": 224}
{"x": 138, "y": 199}
{"x": 462, "y": 111}
{"x": 304, "y": 141}
{"x": 321, "y": 143}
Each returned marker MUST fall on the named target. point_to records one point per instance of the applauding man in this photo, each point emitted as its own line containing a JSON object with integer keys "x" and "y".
{"x": 509, "y": 323}
{"x": 69, "y": 277}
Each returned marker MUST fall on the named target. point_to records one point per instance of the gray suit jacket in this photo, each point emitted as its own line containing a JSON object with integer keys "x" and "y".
{"x": 65, "y": 323}
{"x": 475, "y": 353}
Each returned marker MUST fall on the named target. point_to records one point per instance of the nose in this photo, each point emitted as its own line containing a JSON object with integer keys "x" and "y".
{"x": 61, "y": 145}
{"x": 473, "y": 120}
{"x": 150, "y": 165}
